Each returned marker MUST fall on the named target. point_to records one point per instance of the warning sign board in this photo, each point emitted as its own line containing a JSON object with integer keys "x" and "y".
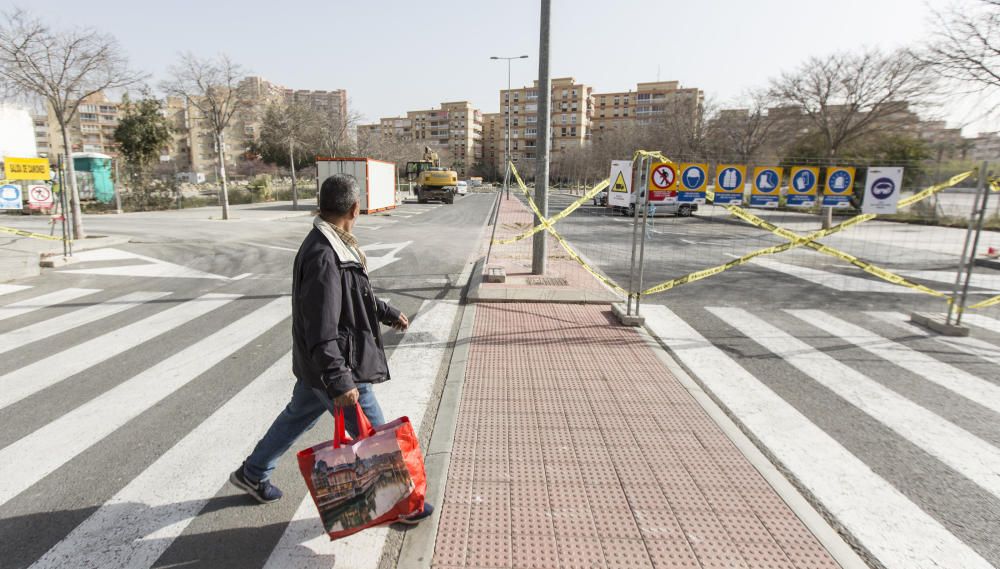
{"x": 662, "y": 182}
{"x": 39, "y": 197}
{"x": 729, "y": 182}
{"x": 802, "y": 186}
{"x": 882, "y": 187}
{"x": 693, "y": 180}
{"x": 839, "y": 187}
{"x": 26, "y": 168}
{"x": 766, "y": 188}
{"x": 620, "y": 183}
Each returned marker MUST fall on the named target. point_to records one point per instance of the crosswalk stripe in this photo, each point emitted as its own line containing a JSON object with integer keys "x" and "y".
{"x": 969, "y": 455}
{"x": 947, "y": 376}
{"x": 35, "y": 456}
{"x": 836, "y": 281}
{"x": 41, "y": 330}
{"x": 23, "y": 307}
{"x": 37, "y": 376}
{"x": 977, "y": 281}
{"x": 9, "y": 288}
{"x": 139, "y": 523}
{"x": 414, "y": 364}
{"x": 897, "y": 532}
{"x": 990, "y": 324}
{"x": 972, "y": 346}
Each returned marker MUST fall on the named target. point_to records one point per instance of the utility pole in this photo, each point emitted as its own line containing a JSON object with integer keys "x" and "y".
{"x": 538, "y": 249}
{"x": 506, "y": 155}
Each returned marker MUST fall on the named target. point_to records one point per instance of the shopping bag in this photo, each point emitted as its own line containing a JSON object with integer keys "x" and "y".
{"x": 372, "y": 480}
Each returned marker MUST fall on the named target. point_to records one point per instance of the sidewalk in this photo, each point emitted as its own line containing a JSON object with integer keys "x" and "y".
{"x": 576, "y": 447}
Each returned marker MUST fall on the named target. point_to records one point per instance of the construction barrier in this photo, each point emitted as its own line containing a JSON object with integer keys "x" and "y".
{"x": 795, "y": 240}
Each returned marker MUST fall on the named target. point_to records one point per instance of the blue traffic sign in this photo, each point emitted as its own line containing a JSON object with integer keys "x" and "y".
{"x": 731, "y": 179}
{"x": 693, "y": 177}
{"x": 840, "y": 182}
{"x": 767, "y": 181}
{"x": 10, "y": 197}
{"x": 803, "y": 181}
{"x": 883, "y": 188}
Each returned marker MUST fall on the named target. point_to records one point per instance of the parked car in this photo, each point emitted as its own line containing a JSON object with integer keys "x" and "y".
{"x": 463, "y": 188}
{"x": 601, "y": 199}
{"x": 678, "y": 209}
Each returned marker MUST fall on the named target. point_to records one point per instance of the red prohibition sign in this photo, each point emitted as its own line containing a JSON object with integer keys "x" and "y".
{"x": 663, "y": 176}
{"x": 40, "y": 194}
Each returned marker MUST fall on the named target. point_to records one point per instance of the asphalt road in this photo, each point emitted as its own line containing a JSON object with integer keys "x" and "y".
{"x": 136, "y": 379}
{"x": 892, "y": 431}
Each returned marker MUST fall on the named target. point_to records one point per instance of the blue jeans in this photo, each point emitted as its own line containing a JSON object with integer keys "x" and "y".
{"x": 301, "y": 413}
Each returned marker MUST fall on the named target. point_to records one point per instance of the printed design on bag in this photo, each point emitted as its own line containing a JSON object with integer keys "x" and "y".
{"x": 354, "y": 493}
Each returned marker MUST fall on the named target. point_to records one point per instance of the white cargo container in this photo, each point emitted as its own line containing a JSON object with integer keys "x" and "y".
{"x": 376, "y": 180}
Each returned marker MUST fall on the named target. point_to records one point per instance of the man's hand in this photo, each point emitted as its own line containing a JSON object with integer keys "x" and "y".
{"x": 348, "y": 399}
{"x": 402, "y": 323}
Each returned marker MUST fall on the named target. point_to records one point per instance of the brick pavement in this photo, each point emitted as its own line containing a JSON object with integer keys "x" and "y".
{"x": 576, "y": 447}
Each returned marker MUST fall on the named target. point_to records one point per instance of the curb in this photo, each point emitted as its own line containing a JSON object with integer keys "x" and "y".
{"x": 828, "y": 536}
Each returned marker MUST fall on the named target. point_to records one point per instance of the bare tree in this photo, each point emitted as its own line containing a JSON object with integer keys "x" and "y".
{"x": 740, "y": 134}
{"x": 335, "y": 130}
{"x": 63, "y": 68}
{"x": 211, "y": 86}
{"x": 845, "y": 97}
{"x": 292, "y": 128}
{"x": 966, "y": 45}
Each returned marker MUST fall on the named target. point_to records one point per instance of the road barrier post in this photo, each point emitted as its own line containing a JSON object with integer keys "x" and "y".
{"x": 984, "y": 197}
{"x": 981, "y": 189}
{"x": 637, "y": 169}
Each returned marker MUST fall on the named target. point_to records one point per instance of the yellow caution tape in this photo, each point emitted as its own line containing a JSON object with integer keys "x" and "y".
{"x": 935, "y": 189}
{"x": 985, "y": 303}
{"x": 549, "y": 221}
{"x": 22, "y": 233}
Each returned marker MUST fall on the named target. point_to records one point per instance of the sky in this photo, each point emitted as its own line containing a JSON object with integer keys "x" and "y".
{"x": 393, "y": 55}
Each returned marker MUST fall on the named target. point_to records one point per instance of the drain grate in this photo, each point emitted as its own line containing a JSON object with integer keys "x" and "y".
{"x": 547, "y": 281}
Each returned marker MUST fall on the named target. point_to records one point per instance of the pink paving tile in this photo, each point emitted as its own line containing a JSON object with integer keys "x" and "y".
{"x": 562, "y": 461}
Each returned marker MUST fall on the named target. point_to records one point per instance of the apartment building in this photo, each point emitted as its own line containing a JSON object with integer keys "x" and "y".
{"x": 649, "y": 102}
{"x": 454, "y": 131}
{"x": 493, "y": 144}
{"x": 570, "y": 110}
{"x": 92, "y": 129}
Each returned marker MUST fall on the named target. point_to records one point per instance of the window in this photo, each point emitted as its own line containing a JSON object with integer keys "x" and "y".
{"x": 88, "y": 108}
{"x": 533, "y": 119}
{"x": 531, "y": 131}
{"x": 563, "y": 119}
{"x": 564, "y": 93}
{"x": 572, "y": 119}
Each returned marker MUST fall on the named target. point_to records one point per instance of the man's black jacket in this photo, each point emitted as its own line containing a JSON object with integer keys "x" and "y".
{"x": 335, "y": 319}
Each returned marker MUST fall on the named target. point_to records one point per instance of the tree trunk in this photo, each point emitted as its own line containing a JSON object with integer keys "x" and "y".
{"x": 76, "y": 213}
{"x": 291, "y": 162}
{"x": 220, "y": 139}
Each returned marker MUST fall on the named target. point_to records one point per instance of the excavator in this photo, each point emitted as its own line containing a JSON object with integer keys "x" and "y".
{"x": 432, "y": 181}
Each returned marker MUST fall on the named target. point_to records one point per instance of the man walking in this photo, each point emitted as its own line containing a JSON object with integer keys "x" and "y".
{"x": 337, "y": 351}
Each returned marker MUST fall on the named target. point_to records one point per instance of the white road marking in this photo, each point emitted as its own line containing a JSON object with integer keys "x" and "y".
{"x": 139, "y": 523}
{"x": 241, "y": 276}
{"x": 991, "y": 282}
{"x": 21, "y": 383}
{"x": 972, "y": 346}
{"x": 990, "y": 324}
{"x": 969, "y": 455}
{"x": 275, "y": 247}
{"x": 40, "y": 330}
{"x": 37, "y": 455}
{"x": 918, "y": 363}
{"x": 152, "y": 268}
{"x": 9, "y": 288}
{"x": 899, "y": 534}
{"x": 23, "y": 307}
{"x": 836, "y": 281}
{"x": 377, "y": 262}
{"x": 414, "y": 365}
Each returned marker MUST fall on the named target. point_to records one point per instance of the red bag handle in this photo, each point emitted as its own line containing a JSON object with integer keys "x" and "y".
{"x": 340, "y": 437}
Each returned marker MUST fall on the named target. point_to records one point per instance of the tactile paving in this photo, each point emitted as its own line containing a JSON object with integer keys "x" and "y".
{"x": 564, "y": 461}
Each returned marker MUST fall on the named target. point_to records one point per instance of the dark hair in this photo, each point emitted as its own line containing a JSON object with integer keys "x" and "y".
{"x": 337, "y": 195}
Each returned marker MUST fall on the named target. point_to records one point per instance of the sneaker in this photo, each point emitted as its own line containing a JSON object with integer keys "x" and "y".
{"x": 263, "y": 491}
{"x": 414, "y": 519}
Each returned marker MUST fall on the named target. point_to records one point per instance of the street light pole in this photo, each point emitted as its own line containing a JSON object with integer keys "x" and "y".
{"x": 506, "y": 156}
{"x": 538, "y": 249}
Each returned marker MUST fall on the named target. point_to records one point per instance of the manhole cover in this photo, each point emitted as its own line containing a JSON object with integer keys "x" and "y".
{"x": 547, "y": 281}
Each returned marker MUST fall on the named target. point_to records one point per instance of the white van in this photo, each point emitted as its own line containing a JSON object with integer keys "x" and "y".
{"x": 660, "y": 207}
